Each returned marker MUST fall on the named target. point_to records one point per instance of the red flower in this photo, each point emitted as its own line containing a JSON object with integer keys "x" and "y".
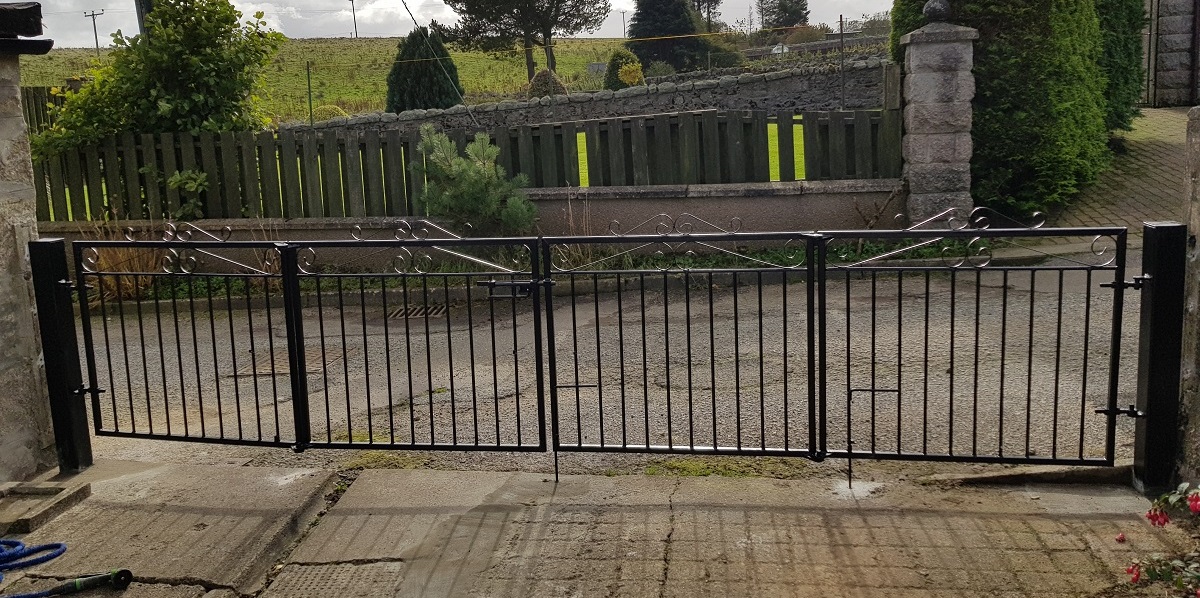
{"x": 1121, "y": 538}
{"x": 1158, "y": 517}
{"x": 1135, "y": 573}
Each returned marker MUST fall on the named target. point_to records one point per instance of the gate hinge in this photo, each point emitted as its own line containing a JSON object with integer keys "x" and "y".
{"x": 1131, "y": 411}
{"x": 1136, "y": 284}
{"x": 519, "y": 289}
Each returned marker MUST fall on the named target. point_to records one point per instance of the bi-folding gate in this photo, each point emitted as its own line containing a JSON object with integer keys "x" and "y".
{"x": 959, "y": 342}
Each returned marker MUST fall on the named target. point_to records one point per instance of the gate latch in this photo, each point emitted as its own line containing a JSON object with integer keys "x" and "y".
{"x": 517, "y": 289}
{"x": 1136, "y": 284}
{"x": 1131, "y": 411}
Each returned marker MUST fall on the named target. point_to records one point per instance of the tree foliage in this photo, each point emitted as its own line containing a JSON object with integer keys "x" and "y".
{"x": 668, "y": 31}
{"x": 776, "y": 14}
{"x": 471, "y": 190}
{"x": 1039, "y": 110}
{"x": 423, "y": 75}
{"x": 196, "y": 69}
{"x": 499, "y": 25}
{"x": 1121, "y": 23}
{"x": 546, "y": 83}
{"x": 612, "y": 75}
{"x": 710, "y": 11}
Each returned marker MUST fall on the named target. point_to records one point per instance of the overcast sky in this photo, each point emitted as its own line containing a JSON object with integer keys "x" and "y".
{"x": 66, "y": 24}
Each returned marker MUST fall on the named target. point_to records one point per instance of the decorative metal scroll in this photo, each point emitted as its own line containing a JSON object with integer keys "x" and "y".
{"x": 682, "y": 239}
{"x": 978, "y": 252}
{"x": 420, "y": 259}
{"x": 187, "y": 258}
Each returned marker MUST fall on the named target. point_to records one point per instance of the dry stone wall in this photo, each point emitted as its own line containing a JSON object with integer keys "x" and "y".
{"x": 812, "y": 88}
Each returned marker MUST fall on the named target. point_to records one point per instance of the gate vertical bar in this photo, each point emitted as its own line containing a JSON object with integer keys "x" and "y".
{"x": 819, "y": 268}
{"x": 294, "y": 324}
{"x": 60, "y": 354}
{"x": 535, "y": 271}
{"x": 1114, "y": 354}
{"x": 1156, "y": 439}
{"x": 547, "y": 278}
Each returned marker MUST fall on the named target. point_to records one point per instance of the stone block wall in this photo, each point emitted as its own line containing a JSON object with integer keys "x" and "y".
{"x": 1172, "y": 31}
{"x": 811, "y": 88}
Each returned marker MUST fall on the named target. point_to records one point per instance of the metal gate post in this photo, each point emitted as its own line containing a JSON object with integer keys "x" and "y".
{"x": 1156, "y": 441}
{"x": 289, "y": 265}
{"x": 60, "y": 353}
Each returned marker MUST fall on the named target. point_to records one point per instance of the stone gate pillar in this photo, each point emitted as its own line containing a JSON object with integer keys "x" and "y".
{"x": 938, "y": 89}
{"x": 1189, "y": 400}
{"x": 26, "y": 438}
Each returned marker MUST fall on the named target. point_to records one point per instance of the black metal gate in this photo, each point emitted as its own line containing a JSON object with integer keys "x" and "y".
{"x": 950, "y": 340}
{"x": 960, "y": 343}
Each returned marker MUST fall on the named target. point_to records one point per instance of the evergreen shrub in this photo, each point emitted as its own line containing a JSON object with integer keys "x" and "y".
{"x": 1039, "y": 111}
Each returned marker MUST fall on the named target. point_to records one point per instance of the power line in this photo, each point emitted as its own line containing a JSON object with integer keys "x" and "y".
{"x": 95, "y": 32}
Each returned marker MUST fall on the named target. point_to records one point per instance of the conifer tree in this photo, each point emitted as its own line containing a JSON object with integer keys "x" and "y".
{"x": 423, "y": 76}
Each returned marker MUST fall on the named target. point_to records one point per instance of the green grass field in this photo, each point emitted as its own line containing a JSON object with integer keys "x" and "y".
{"x": 352, "y": 73}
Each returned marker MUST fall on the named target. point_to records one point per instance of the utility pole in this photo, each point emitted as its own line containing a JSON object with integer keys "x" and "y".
{"x": 354, "y": 15}
{"x": 95, "y": 32}
{"x": 623, "y": 33}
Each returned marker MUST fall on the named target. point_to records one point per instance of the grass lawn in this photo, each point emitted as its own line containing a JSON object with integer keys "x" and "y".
{"x": 352, "y": 73}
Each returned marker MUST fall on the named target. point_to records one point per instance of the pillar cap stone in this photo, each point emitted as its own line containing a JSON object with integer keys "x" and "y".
{"x": 935, "y": 33}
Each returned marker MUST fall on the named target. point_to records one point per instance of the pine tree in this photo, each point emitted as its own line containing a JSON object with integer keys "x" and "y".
{"x": 670, "y": 19}
{"x": 423, "y": 76}
{"x": 784, "y": 13}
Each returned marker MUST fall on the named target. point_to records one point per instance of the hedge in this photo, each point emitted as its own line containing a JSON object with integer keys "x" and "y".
{"x": 1039, "y": 111}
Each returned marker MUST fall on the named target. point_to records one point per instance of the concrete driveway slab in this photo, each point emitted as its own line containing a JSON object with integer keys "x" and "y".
{"x": 498, "y": 535}
{"x": 209, "y": 526}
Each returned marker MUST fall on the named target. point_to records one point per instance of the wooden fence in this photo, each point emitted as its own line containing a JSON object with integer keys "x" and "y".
{"x": 336, "y": 173}
{"x": 35, "y": 102}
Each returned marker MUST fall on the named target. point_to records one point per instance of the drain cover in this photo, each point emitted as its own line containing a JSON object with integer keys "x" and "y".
{"x": 418, "y": 311}
{"x": 313, "y": 364}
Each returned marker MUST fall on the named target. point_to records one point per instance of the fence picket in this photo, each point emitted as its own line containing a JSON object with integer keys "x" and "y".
{"x": 151, "y": 175}
{"x": 735, "y": 147}
{"x": 413, "y": 177}
{"x": 331, "y": 174}
{"x": 837, "y": 145}
{"x": 616, "y": 151}
{"x": 864, "y": 146}
{"x": 570, "y": 154}
{"x": 290, "y": 189}
{"x": 95, "y": 182}
{"x": 814, "y": 150}
{"x": 76, "y": 193}
{"x": 502, "y": 137}
{"x": 664, "y": 154}
{"x": 786, "y": 136}
{"x": 640, "y": 150}
{"x": 526, "y": 155}
{"x": 269, "y": 162}
{"x": 41, "y": 197}
{"x": 549, "y": 153}
{"x": 310, "y": 173}
{"x": 352, "y": 175}
{"x": 231, "y": 191}
{"x": 394, "y": 174}
{"x": 169, "y": 167}
{"x": 58, "y": 189}
{"x": 593, "y": 156}
{"x": 113, "y": 192}
{"x": 372, "y": 167}
{"x": 711, "y": 129}
{"x": 133, "y": 184}
{"x": 689, "y": 157}
{"x": 757, "y": 148}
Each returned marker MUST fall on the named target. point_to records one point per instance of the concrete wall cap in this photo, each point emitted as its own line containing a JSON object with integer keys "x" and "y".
{"x": 939, "y": 33}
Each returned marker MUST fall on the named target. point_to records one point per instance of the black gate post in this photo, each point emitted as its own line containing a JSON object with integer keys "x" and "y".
{"x": 60, "y": 353}
{"x": 1156, "y": 442}
{"x": 293, "y": 315}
